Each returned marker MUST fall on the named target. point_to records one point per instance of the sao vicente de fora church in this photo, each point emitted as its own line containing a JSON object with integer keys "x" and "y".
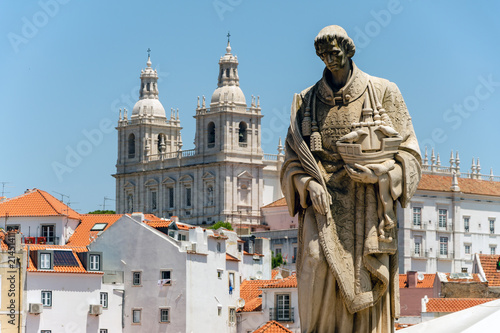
{"x": 226, "y": 177}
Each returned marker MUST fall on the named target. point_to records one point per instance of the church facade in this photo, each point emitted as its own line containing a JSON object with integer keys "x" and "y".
{"x": 226, "y": 177}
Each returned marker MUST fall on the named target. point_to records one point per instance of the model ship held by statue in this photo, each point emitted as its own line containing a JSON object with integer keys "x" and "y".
{"x": 373, "y": 144}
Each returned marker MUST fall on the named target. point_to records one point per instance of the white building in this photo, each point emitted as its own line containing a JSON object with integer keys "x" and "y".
{"x": 451, "y": 216}
{"x": 173, "y": 285}
{"x": 226, "y": 177}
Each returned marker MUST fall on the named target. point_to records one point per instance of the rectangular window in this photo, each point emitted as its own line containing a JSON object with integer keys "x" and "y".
{"x": 466, "y": 224}
{"x": 136, "y": 316}
{"x": 45, "y": 261}
{"x": 231, "y": 283}
{"x": 417, "y": 248}
{"x": 283, "y": 307}
{"x": 278, "y": 251}
{"x": 294, "y": 259}
{"x": 47, "y": 298}
{"x": 232, "y": 315}
{"x": 417, "y": 216}
{"x": 467, "y": 248}
{"x": 164, "y": 316}
{"x": 153, "y": 200}
{"x": 443, "y": 217}
{"x": 170, "y": 197}
{"x": 104, "y": 300}
{"x": 95, "y": 262}
{"x": 165, "y": 277}
{"x": 103, "y": 330}
{"x": 13, "y": 227}
{"x": 492, "y": 226}
{"x": 493, "y": 250}
{"x": 45, "y": 331}
{"x": 136, "y": 278}
{"x": 443, "y": 246}
{"x": 219, "y": 273}
{"x": 48, "y": 233}
{"x": 188, "y": 196}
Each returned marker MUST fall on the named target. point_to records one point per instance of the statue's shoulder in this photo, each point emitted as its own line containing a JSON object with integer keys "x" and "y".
{"x": 305, "y": 95}
{"x": 383, "y": 86}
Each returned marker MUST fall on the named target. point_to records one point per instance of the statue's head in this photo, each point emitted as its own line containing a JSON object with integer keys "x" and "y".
{"x": 334, "y": 47}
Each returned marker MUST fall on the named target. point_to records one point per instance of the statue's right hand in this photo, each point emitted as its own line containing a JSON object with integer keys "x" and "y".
{"x": 319, "y": 197}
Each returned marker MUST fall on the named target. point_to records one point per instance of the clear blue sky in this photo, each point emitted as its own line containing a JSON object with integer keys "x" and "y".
{"x": 67, "y": 66}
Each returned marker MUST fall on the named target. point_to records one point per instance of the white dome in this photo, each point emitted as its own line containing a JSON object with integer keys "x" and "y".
{"x": 234, "y": 93}
{"x": 147, "y": 103}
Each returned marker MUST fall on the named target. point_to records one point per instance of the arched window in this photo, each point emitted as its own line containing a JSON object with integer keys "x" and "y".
{"x": 211, "y": 135}
{"x": 161, "y": 143}
{"x": 242, "y": 133}
{"x": 227, "y": 72}
{"x": 131, "y": 145}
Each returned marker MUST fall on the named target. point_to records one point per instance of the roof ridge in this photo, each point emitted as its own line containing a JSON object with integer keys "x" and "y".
{"x": 42, "y": 193}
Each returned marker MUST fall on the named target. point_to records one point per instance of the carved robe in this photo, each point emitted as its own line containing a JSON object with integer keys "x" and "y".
{"x": 347, "y": 278}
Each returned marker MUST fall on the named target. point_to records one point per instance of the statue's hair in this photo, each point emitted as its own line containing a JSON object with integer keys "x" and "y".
{"x": 328, "y": 34}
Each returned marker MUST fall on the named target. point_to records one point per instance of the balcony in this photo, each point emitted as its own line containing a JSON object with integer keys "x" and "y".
{"x": 447, "y": 228}
{"x": 281, "y": 314}
{"x": 422, "y": 226}
{"x": 445, "y": 255}
{"x": 419, "y": 255}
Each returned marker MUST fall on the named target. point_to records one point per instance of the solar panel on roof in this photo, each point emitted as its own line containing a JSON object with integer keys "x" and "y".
{"x": 65, "y": 258}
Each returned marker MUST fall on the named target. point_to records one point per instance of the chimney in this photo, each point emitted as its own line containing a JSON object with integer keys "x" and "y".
{"x": 411, "y": 277}
{"x": 139, "y": 217}
{"x": 174, "y": 218}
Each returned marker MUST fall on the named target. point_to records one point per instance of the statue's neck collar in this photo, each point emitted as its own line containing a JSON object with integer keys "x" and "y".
{"x": 352, "y": 90}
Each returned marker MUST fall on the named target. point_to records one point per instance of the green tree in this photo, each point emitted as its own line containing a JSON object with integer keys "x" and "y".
{"x": 102, "y": 212}
{"x": 277, "y": 260}
{"x": 225, "y": 225}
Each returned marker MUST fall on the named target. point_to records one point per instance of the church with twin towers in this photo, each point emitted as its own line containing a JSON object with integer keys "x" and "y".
{"x": 226, "y": 177}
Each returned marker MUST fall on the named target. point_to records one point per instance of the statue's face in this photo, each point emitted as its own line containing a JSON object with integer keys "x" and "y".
{"x": 332, "y": 55}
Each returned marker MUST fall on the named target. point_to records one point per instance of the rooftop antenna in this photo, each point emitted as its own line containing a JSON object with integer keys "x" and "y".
{"x": 62, "y": 196}
{"x": 104, "y": 202}
{"x": 3, "y": 187}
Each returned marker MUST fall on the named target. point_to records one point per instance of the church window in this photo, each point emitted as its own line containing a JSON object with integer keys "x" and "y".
{"x": 188, "y": 196}
{"x": 153, "y": 200}
{"x": 170, "y": 197}
{"x": 227, "y": 72}
{"x": 161, "y": 143}
{"x": 148, "y": 86}
{"x": 131, "y": 146}
{"x": 242, "y": 133}
{"x": 211, "y": 135}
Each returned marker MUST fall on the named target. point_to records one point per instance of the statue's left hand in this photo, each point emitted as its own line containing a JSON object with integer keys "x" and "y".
{"x": 361, "y": 174}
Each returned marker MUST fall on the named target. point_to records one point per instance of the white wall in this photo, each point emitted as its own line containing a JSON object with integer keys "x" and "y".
{"x": 31, "y": 226}
{"x": 72, "y": 295}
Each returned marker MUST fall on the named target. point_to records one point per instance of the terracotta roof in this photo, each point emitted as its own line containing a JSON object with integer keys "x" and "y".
{"x": 159, "y": 224}
{"x": 427, "y": 282}
{"x": 230, "y": 257}
{"x": 252, "y": 305}
{"x": 288, "y": 282}
{"x": 467, "y": 185}
{"x": 83, "y": 234}
{"x": 252, "y": 254}
{"x": 274, "y": 272}
{"x": 273, "y": 327}
{"x": 454, "y": 304}
{"x": 489, "y": 264}
{"x": 60, "y": 269}
{"x": 250, "y": 289}
{"x": 278, "y": 203}
{"x": 475, "y": 278}
{"x": 36, "y": 203}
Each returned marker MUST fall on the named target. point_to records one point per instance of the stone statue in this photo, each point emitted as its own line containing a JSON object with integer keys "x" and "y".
{"x": 351, "y": 154}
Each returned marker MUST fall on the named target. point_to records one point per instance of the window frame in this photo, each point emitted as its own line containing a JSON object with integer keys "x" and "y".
{"x": 467, "y": 248}
{"x": 417, "y": 212}
{"x": 162, "y": 310}
{"x": 442, "y": 217}
{"x": 41, "y": 262}
{"x": 169, "y": 271}
{"x": 443, "y": 245}
{"x": 93, "y": 264}
{"x": 232, "y": 315}
{"x": 134, "y": 311}
{"x": 491, "y": 222}
{"x": 103, "y": 300}
{"x": 50, "y": 235}
{"x": 139, "y": 278}
{"x": 46, "y": 295}
{"x": 284, "y": 308}
{"x": 466, "y": 224}
{"x": 103, "y": 330}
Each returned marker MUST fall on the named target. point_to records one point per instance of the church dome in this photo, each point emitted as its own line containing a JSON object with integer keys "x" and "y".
{"x": 229, "y": 93}
{"x": 149, "y": 106}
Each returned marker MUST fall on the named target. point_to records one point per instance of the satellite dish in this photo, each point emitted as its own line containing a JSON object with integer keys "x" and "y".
{"x": 258, "y": 276}
{"x": 241, "y": 302}
{"x": 420, "y": 277}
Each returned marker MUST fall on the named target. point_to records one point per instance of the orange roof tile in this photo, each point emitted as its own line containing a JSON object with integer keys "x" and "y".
{"x": 454, "y": 304}
{"x": 60, "y": 269}
{"x": 427, "y": 282}
{"x": 159, "y": 223}
{"x": 278, "y": 203}
{"x": 489, "y": 264}
{"x": 83, "y": 236}
{"x": 230, "y": 257}
{"x": 252, "y": 305}
{"x": 250, "y": 289}
{"x": 475, "y": 278}
{"x": 274, "y": 272}
{"x": 467, "y": 185}
{"x": 36, "y": 203}
{"x": 273, "y": 327}
{"x": 288, "y": 282}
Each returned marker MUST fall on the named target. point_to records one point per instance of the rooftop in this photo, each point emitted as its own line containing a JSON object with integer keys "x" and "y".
{"x": 91, "y": 226}
{"x": 489, "y": 264}
{"x": 427, "y": 282}
{"x": 36, "y": 202}
{"x": 454, "y": 304}
{"x": 272, "y": 327}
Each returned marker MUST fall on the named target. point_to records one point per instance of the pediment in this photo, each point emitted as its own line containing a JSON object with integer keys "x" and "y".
{"x": 186, "y": 178}
{"x": 208, "y": 175}
{"x": 129, "y": 185}
{"x": 151, "y": 182}
{"x": 245, "y": 175}
{"x": 168, "y": 181}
